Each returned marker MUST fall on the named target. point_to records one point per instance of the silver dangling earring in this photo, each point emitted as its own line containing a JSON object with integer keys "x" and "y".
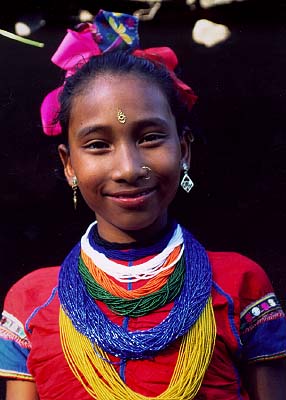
{"x": 186, "y": 181}
{"x": 74, "y": 189}
{"x": 148, "y": 172}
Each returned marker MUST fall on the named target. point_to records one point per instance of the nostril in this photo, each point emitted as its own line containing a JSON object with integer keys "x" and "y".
{"x": 129, "y": 173}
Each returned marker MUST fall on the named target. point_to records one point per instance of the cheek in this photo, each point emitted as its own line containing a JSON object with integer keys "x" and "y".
{"x": 88, "y": 194}
{"x": 90, "y": 180}
{"x": 170, "y": 171}
{"x": 171, "y": 161}
{"x": 88, "y": 170}
{"x": 172, "y": 182}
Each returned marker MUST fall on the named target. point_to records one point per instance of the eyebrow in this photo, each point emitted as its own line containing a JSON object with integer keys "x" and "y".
{"x": 90, "y": 129}
{"x": 144, "y": 123}
{"x": 140, "y": 124}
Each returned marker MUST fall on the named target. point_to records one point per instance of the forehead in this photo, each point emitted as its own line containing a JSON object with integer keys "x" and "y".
{"x": 111, "y": 78}
{"x": 111, "y": 91}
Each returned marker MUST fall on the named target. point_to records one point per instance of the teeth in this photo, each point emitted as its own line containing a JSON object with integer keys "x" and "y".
{"x": 134, "y": 195}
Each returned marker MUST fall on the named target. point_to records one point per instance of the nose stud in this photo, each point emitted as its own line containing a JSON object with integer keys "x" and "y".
{"x": 148, "y": 172}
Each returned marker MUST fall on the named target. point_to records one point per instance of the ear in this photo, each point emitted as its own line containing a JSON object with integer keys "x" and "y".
{"x": 66, "y": 161}
{"x": 186, "y": 140}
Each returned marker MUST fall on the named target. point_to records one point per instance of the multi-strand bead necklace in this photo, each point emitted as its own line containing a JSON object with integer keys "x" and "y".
{"x": 183, "y": 270}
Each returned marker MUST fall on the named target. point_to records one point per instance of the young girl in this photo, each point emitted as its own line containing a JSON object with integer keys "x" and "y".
{"x": 138, "y": 309}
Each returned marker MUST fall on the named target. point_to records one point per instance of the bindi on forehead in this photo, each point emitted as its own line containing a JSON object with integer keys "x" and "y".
{"x": 121, "y": 117}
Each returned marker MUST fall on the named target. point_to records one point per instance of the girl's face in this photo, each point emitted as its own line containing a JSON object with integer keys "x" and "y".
{"x": 107, "y": 155}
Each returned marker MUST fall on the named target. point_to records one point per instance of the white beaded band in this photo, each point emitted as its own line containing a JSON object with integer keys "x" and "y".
{"x": 134, "y": 273}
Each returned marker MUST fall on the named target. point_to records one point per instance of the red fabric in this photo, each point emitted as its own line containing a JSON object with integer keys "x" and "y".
{"x": 242, "y": 279}
{"x": 167, "y": 57}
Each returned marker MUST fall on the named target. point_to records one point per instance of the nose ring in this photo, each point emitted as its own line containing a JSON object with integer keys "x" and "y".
{"x": 148, "y": 172}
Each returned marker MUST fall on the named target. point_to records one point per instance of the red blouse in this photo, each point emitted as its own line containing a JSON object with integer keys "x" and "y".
{"x": 250, "y": 327}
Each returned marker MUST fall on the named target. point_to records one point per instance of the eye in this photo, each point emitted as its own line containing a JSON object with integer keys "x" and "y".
{"x": 97, "y": 145}
{"x": 152, "y": 138}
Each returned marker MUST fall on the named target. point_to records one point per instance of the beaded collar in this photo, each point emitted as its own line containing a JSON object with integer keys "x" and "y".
{"x": 145, "y": 270}
{"x": 134, "y": 250}
{"x": 90, "y": 321}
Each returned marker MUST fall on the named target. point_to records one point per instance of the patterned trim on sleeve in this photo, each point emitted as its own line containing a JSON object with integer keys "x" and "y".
{"x": 265, "y": 309}
{"x": 12, "y": 329}
{"x": 16, "y": 375}
{"x": 263, "y": 330}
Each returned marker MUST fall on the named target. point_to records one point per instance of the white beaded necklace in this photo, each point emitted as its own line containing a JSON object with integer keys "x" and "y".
{"x": 134, "y": 273}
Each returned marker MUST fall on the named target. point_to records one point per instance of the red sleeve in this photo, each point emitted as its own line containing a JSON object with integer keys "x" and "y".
{"x": 261, "y": 320}
{"x": 30, "y": 291}
{"x": 21, "y": 300}
{"x": 240, "y": 277}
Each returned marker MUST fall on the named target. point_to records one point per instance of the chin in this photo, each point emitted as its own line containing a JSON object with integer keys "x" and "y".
{"x": 142, "y": 223}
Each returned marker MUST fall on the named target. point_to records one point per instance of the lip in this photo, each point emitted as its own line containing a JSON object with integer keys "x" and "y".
{"x": 132, "y": 198}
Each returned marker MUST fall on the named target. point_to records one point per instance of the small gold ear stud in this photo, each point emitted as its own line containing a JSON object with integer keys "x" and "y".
{"x": 121, "y": 117}
{"x": 74, "y": 189}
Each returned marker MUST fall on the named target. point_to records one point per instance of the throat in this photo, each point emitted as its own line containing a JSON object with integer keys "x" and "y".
{"x": 122, "y": 239}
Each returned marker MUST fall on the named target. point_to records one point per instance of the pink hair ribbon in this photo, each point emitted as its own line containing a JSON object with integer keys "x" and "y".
{"x": 75, "y": 50}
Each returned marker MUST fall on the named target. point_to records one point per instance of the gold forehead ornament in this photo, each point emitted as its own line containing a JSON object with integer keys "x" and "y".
{"x": 121, "y": 117}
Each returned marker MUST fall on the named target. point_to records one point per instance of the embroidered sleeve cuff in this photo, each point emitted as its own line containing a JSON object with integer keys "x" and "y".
{"x": 263, "y": 330}
{"x": 14, "y": 348}
{"x": 13, "y": 360}
{"x": 15, "y": 375}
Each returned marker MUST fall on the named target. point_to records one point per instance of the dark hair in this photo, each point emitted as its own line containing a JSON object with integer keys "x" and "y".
{"x": 119, "y": 62}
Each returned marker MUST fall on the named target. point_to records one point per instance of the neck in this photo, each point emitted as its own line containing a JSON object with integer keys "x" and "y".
{"x": 113, "y": 234}
{"x": 164, "y": 235}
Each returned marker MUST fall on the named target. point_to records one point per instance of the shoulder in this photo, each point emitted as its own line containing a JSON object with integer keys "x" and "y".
{"x": 31, "y": 290}
{"x": 232, "y": 262}
{"x": 239, "y": 276}
{"x": 36, "y": 281}
{"x": 226, "y": 265}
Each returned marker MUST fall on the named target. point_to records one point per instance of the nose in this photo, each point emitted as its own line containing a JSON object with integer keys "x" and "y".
{"x": 127, "y": 165}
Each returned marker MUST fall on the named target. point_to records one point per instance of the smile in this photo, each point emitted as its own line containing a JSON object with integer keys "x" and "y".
{"x": 133, "y": 195}
{"x": 132, "y": 198}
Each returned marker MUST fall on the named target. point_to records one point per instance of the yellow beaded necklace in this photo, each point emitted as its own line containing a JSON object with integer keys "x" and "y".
{"x": 102, "y": 382}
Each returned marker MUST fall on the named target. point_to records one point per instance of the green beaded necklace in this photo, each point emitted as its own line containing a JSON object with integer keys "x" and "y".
{"x": 140, "y": 306}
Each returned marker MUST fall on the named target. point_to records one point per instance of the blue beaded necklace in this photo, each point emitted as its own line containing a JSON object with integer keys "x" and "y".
{"x": 132, "y": 251}
{"x": 89, "y": 320}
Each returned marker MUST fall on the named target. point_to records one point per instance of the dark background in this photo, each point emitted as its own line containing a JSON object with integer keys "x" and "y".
{"x": 238, "y": 158}
{"x": 238, "y": 202}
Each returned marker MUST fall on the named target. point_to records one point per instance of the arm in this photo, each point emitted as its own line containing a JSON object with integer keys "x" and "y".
{"x": 21, "y": 390}
{"x": 267, "y": 380}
